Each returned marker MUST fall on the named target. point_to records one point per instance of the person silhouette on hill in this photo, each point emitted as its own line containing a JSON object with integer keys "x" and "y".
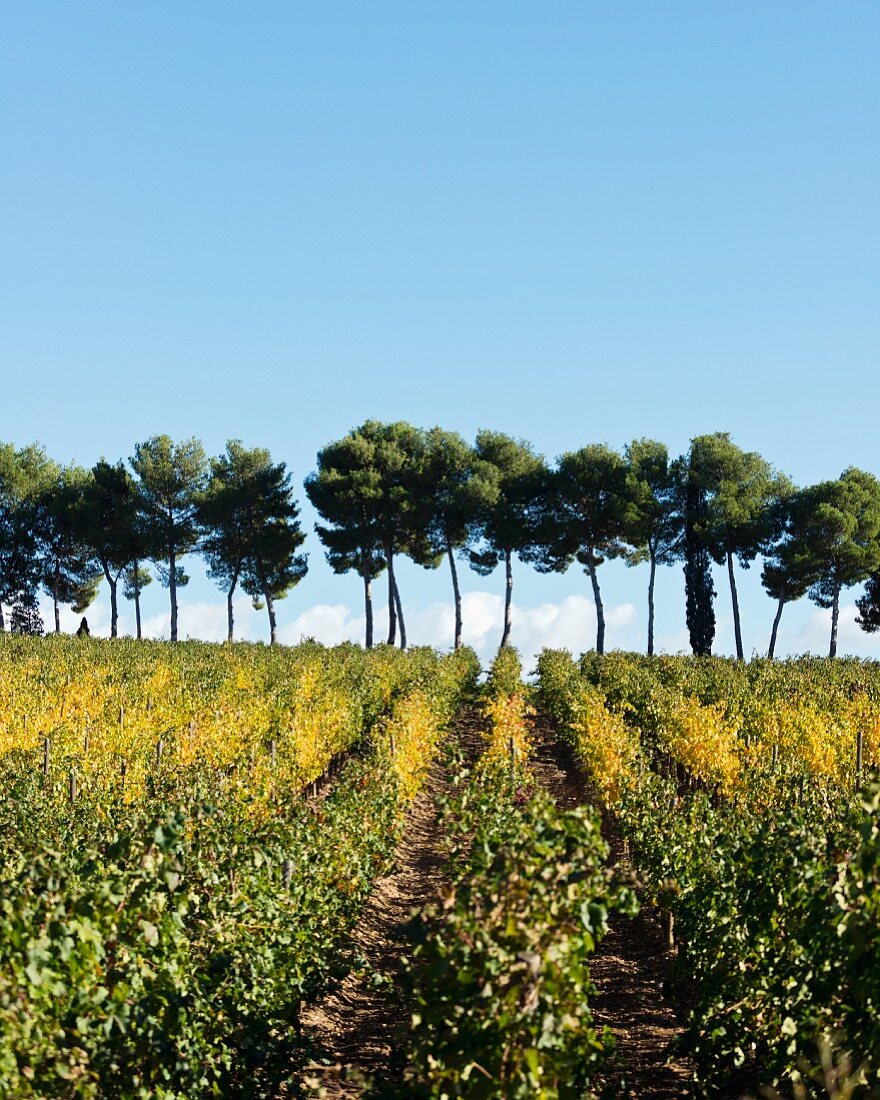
{"x": 82, "y": 631}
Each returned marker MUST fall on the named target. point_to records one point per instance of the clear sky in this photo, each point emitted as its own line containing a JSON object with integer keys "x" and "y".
{"x": 575, "y": 222}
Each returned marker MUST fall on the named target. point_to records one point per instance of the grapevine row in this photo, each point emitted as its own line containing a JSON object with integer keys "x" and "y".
{"x": 736, "y": 788}
{"x": 159, "y": 940}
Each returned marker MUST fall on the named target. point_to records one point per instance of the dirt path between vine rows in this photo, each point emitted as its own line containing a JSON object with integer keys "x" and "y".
{"x": 630, "y": 966}
{"x": 356, "y": 1025}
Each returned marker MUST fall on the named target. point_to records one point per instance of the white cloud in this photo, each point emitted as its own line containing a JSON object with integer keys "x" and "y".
{"x": 203, "y": 620}
{"x": 678, "y": 641}
{"x": 328, "y": 623}
{"x": 206, "y": 621}
{"x": 569, "y": 624}
{"x": 814, "y": 634}
{"x": 98, "y": 616}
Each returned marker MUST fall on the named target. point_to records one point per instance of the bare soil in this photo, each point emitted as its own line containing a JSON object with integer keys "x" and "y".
{"x": 632, "y": 964}
{"x": 356, "y": 1025}
{"x": 630, "y": 970}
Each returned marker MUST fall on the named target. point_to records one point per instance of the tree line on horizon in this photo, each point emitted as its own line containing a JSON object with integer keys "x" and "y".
{"x": 388, "y": 490}
{"x": 65, "y": 529}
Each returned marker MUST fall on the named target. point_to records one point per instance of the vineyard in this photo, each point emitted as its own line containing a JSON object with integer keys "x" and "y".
{"x": 200, "y": 844}
{"x": 742, "y": 795}
{"x": 189, "y": 834}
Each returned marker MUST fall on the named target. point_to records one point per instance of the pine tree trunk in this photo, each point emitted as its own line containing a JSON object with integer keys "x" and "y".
{"x": 273, "y": 626}
{"x": 114, "y": 609}
{"x": 771, "y": 652}
{"x": 368, "y": 611}
{"x": 456, "y": 592}
{"x": 508, "y": 595}
{"x": 56, "y": 582}
{"x": 2, "y": 620}
{"x": 399, "y": 607}
{"x": 112, "y": 583}
{"x": 137, "y": 598}
{"x": 733, "y": 597}
{"x": 600, "y": 608}
{"x": 172, "y": 587}
{"x": 392, "y": 603}
{"x": 835, "y": 614}
{"x": 230, "y": 618}
{"x": 651, "y": 604}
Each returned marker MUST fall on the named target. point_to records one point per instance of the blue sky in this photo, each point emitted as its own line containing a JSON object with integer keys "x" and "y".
{"x": 574, "y": 222}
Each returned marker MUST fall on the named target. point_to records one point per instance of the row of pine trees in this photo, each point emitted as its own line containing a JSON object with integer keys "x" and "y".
{"x": 65, "y": 529}
{"x": 388, "y": 490}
